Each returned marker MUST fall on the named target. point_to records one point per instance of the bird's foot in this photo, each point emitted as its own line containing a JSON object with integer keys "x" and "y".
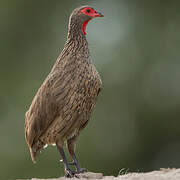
{"x": 79, "y": 173}
{"x": 81, "y": 170}
{"x": 69, "y": 173}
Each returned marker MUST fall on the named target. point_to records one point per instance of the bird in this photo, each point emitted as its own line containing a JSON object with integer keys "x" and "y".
{"x": 63, "y": 104}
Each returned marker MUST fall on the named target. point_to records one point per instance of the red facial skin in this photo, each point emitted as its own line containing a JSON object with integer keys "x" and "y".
{"x": 92, "y": 13}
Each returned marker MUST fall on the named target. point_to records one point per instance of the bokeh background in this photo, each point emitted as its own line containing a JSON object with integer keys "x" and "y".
{"x": 136, "y": 49}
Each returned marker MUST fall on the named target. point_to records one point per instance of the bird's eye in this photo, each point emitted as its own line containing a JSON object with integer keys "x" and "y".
{"x": 88, "y": 10}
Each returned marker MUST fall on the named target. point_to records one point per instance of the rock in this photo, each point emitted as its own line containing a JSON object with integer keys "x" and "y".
{"x": 83, "y": 176}
{"x": 162, "y": 174}
{"x": 90, "y": 175}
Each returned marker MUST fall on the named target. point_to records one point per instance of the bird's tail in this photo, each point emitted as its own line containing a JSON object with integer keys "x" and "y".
{"x": 35, "y": 150}
{"x": 33, "y": 155}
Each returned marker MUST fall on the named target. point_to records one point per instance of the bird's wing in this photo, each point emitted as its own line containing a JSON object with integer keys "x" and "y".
{"x": 41, "y": 113}
{"x": 49, "y": 101}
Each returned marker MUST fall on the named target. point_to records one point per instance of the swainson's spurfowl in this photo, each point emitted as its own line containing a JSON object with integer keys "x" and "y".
{"x": 64, "y": 103}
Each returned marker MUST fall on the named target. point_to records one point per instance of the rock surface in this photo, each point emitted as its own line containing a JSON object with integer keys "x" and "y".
{"x": 162, "y": 174}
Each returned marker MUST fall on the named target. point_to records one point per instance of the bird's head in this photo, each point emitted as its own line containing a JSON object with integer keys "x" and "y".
{"x": 83, "y": 15}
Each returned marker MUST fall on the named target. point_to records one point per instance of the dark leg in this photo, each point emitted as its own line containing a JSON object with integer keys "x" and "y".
{"x": 71, "y": 148}
{"x": 68, "y": 171}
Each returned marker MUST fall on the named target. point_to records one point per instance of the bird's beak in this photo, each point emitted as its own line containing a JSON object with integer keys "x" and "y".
{"x": 98, "y": 14}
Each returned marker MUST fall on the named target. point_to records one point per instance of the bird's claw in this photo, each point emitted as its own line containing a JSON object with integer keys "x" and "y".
{"x": 69, "y": 173}
{"x": 81, "y": 170}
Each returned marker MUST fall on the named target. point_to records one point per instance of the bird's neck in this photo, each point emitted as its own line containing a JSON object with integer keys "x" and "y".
{"x": 77, "y": 38}
{"x": 76, "y": 30}
{"x": 76, "y": 44}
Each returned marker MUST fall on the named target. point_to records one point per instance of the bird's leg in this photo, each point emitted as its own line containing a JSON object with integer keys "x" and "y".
{"x": 71, "y": 148}
{"x": 68, "y": 171}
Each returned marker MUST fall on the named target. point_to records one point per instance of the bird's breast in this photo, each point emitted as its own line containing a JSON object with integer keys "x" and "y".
{"x": 89, "y": 82}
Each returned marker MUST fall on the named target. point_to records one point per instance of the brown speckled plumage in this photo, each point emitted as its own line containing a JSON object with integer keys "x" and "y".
{"x": 64, "y": 102}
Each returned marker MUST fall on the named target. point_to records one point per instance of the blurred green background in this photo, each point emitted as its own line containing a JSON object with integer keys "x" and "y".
{"x": 136, "y": 49}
